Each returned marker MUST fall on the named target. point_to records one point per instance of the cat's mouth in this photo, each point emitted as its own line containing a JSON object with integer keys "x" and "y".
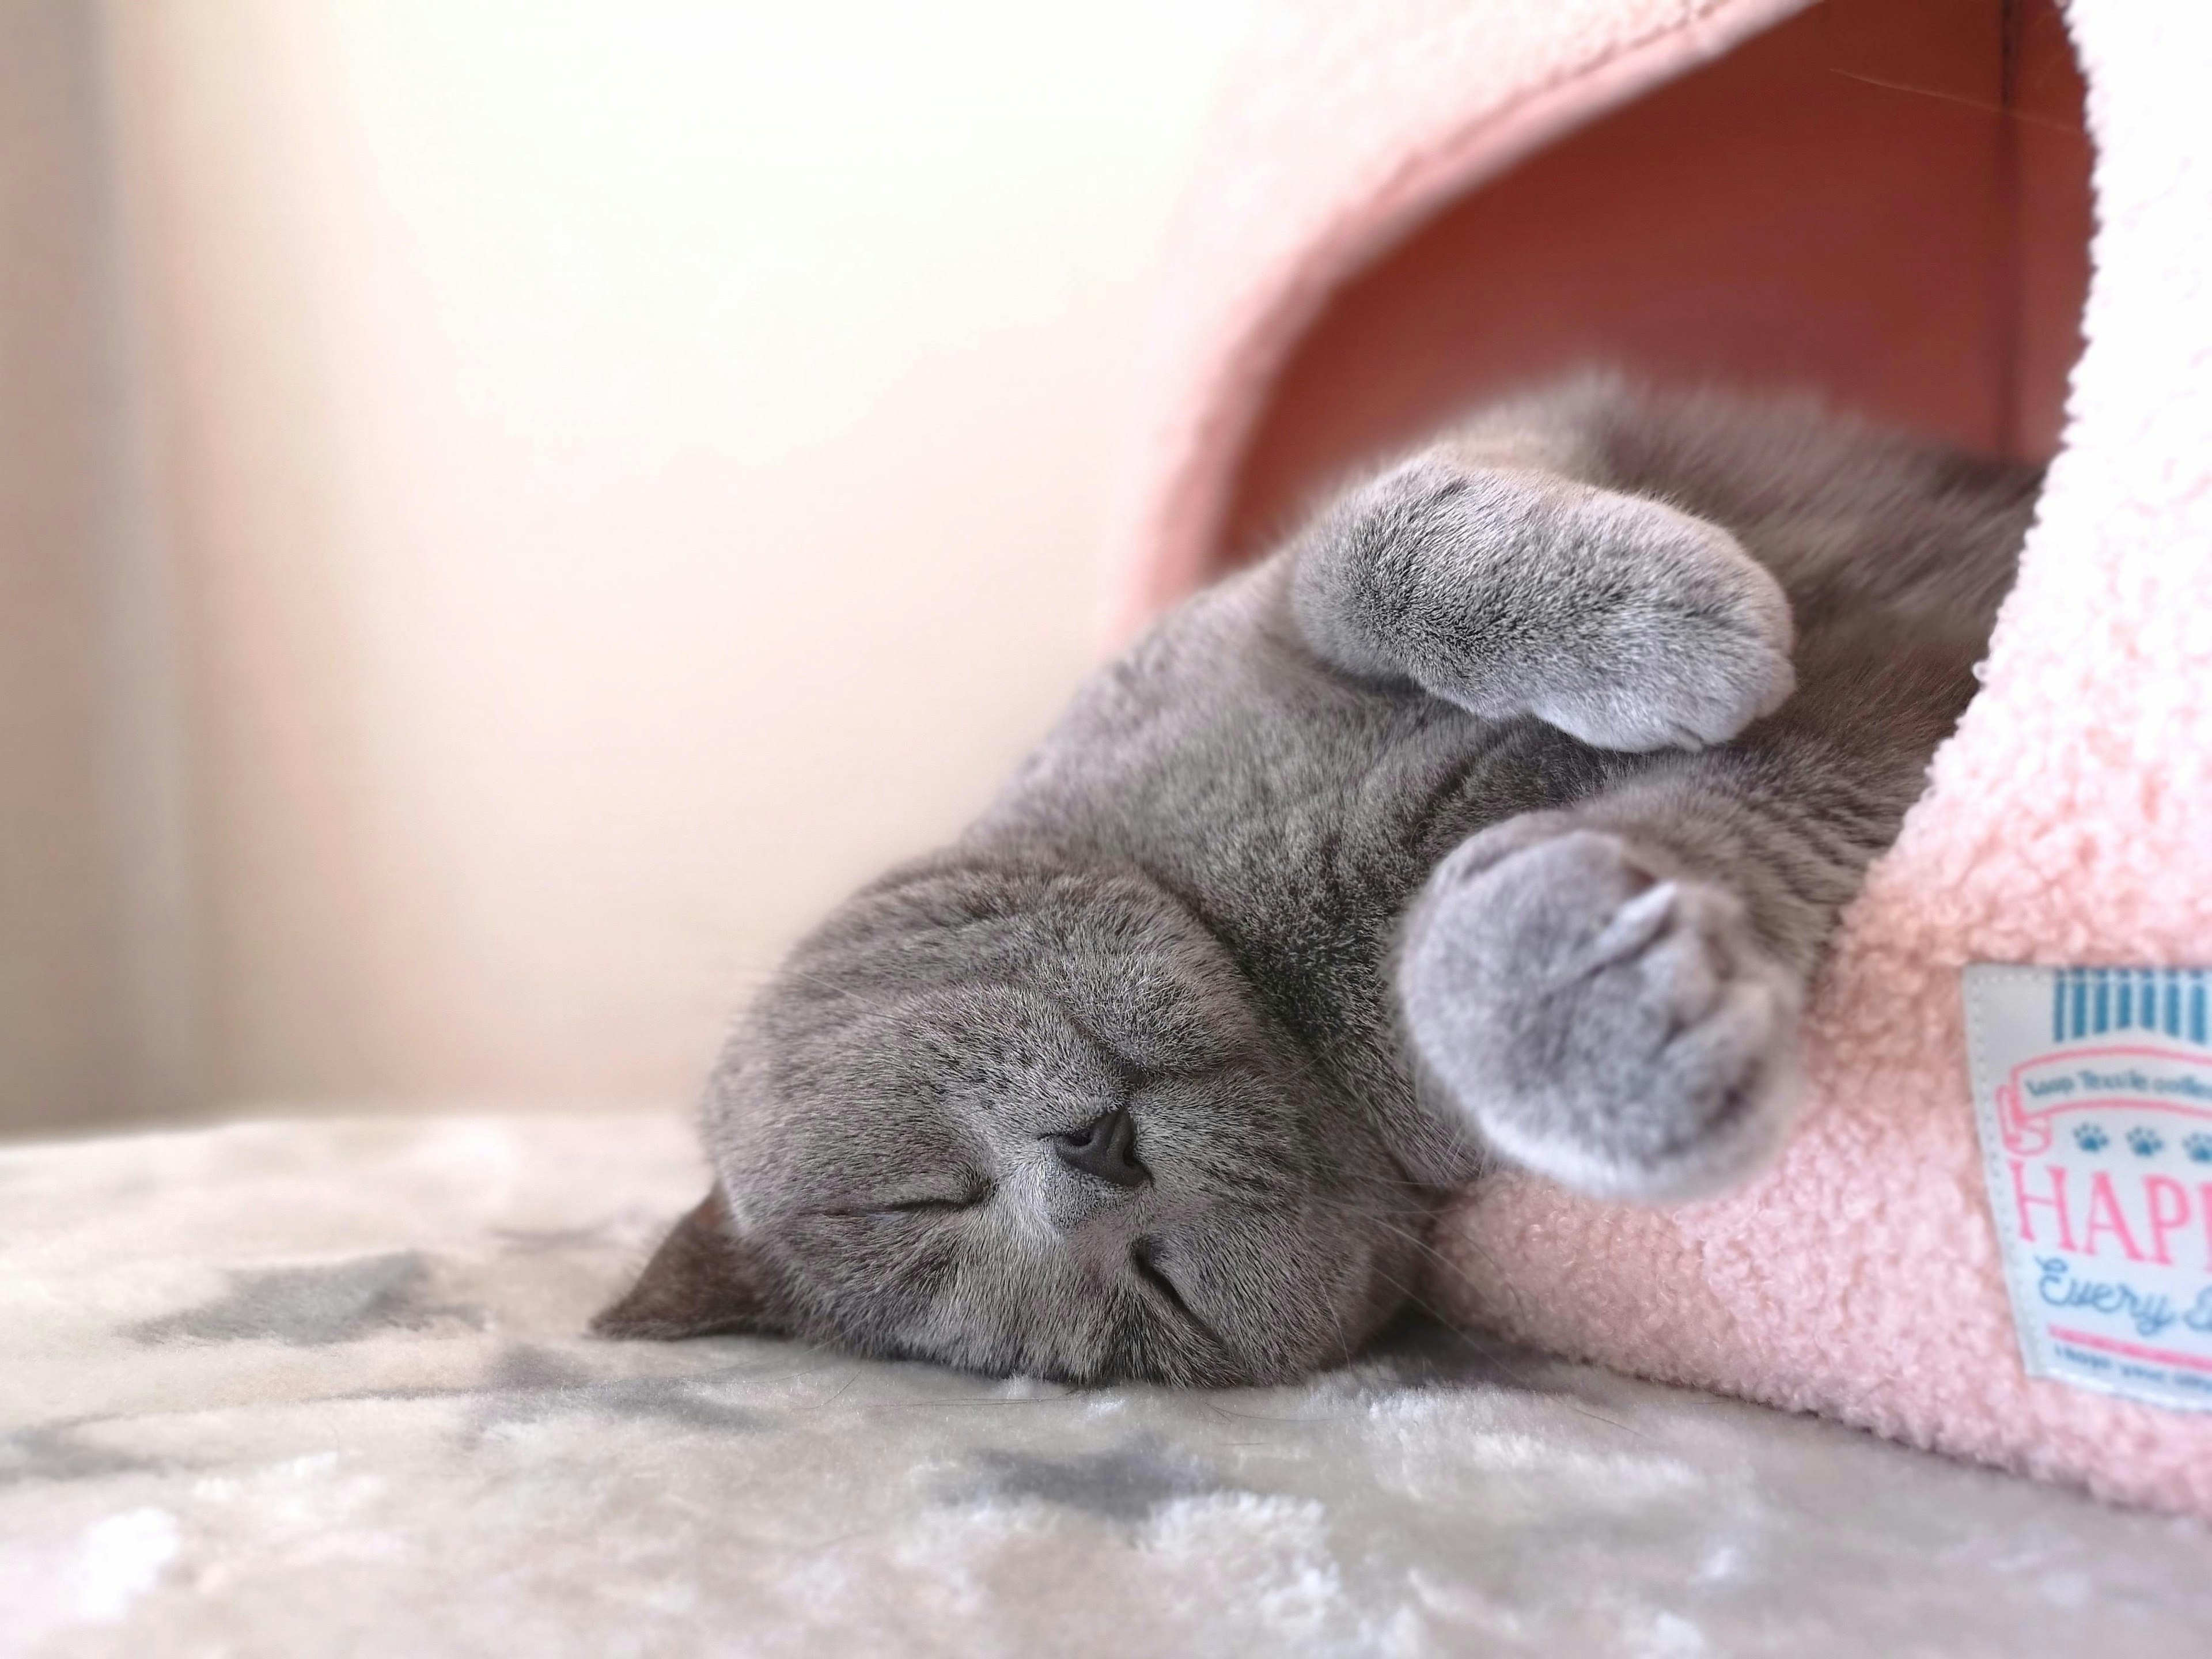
{"x": 1143, "y": 1262}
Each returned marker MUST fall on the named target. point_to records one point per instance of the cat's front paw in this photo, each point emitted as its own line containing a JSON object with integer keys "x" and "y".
{"x": 1618, "y": 618}
{"x": 1603, "y": 1020}
{"x": 1690, "y": 643}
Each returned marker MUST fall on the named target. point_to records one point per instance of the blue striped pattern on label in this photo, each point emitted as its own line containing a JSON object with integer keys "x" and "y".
{"x": 2086, "y": 1001}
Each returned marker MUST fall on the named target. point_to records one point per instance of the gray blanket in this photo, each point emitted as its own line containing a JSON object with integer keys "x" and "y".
{"x": 319, "y": 1387}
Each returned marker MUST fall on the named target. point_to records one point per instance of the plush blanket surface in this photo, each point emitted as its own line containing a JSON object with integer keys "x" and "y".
{"x": 319, "y": 1387}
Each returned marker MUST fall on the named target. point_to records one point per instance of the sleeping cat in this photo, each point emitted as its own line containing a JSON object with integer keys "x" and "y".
{"x": 1502, "y": 814}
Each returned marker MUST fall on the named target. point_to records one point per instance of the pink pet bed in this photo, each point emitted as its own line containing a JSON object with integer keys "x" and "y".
{"x": 1408, "y": 202}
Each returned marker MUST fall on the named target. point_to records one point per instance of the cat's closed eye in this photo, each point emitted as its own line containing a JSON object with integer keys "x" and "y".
{"x": 950, "y": 1203}
{"x": 928, "y": 1206}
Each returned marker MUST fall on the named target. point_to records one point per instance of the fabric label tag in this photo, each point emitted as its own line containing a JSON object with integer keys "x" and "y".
{"x": 2093, "y": 1093}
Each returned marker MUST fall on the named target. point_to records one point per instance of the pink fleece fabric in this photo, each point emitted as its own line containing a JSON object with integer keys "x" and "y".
{"x": 2069, "y": 820}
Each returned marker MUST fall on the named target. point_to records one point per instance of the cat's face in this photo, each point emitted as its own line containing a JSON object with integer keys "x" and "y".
{"x": 1031, "y": 1122}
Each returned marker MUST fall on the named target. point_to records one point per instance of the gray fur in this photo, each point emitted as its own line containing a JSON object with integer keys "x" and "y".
{"x": 1506, "y": 811}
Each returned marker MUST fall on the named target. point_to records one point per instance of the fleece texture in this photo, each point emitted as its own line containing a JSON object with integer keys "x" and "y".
{"x": 2069, "y": 820}
{"x": 320, "y": 1387}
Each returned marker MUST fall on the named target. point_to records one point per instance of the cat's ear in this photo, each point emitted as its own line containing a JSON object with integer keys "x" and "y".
{"x": 702, "y": 1281}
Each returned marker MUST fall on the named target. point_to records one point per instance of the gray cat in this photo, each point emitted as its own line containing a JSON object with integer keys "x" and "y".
{"x": 1502, "y": 814}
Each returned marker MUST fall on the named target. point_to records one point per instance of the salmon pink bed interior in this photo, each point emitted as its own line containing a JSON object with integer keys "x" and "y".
{"x": 1886, "y": 200}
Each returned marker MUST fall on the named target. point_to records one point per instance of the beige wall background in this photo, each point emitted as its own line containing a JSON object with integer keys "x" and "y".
{"x": 507, "y": 510}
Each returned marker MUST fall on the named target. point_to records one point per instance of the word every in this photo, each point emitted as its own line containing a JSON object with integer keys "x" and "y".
{"x": 2151, "y": 1312}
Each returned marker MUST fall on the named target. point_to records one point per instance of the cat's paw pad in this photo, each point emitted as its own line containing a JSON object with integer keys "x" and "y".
{"x": 1617, "y": 1029}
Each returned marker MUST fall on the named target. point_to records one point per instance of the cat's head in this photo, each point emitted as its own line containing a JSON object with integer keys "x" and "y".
{"x": 1030, "y": 1120}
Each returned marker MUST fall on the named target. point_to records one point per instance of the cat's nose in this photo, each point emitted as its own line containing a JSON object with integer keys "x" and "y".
{"x": 1105, "y": 1147}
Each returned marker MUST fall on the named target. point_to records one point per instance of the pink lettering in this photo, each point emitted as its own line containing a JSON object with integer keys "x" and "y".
{"x": 2164, "y": 1217}
{"x": 2055, "y": 1202}
{"x": 2105, "y": 1216}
